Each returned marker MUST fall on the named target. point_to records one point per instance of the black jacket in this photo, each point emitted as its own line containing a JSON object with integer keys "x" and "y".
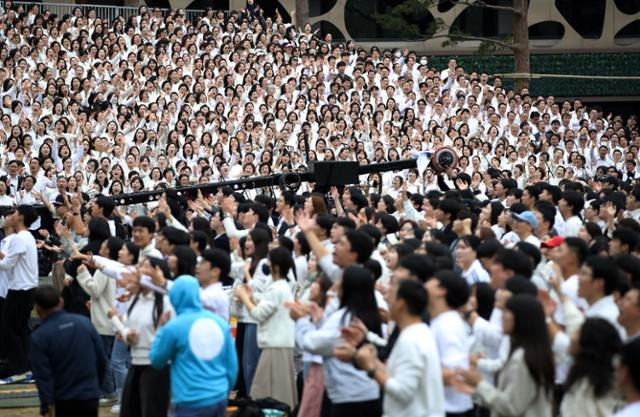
{"x": 67, "y": 359}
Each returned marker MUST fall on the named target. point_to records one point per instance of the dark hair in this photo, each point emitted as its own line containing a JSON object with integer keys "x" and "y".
{"x": 158, "y": 302}
{"x": 107, "y": 204}
{"x": 281, "y": 257}
{"x": 374, "y": 267}
{"x": 175, "y": 236}
{"x": 626, "y": 237}
{"x": 371, "y": 231}
{"x": 449, "y": 206}
{"x": 514, "y": 260}
{"x": 496, "y": 210}
{"x": 599, "y": 342}
{"x": 146, "y": 222}
{"x": 577, "y": 246}
{"x": 325, "y": 221}
{"x": 28, "y": 213}
{"x": 457, "y": 288}
{"x": 133, "y": 249}
{"x": 488, "y": 248}
{"x": 531, "y": 251}
{"x": 575, "y": 200}
{"x": 531, "y": 334}
{"x": 420, "y": 266}
{"x": 324, "y": 283}
{"x": 361, "y": 244}
{"x": 99, "y": 229}
{"x": 304, "y": 245}
{"x": 46, "y": 297}
{"x": 605, "y": 269}
{"x": 261, "y": 240}
{"x": 485, "y": 299}
{"x": 547, "y": 210}
{"x": 593, "y": 229}
{"x": 114, "y": 244}
{"x": 219, "y": 259}
{"x": 437, "y": 249}
{"x": 199, "y": 237}
{"x": 414, "y": 296}
{"x": 186, "y": 260}
{"x": 518, "y": 284}
{"x": 345, "y": 222}
{"x": 389, "y": 222}
{"x": 630, "y": 359}
{"x": 358, "y": 297}
{"x": 629, "y": 264}
{"x": 261, "y": 211}
{"x": 470, "y": 240}
{"x": 554, "y": 190}
{"x": 285, "y": 242}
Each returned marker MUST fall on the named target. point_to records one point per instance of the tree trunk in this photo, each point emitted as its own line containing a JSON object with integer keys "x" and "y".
{"x": 302, "y": 13}
{"x": 521, "y": 43}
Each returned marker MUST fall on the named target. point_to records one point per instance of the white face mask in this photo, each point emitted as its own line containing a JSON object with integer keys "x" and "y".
{"x": 423, "y": 61}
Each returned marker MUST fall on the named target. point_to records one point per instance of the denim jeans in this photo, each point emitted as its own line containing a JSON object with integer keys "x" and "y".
{"x": 215, "y": 410}
{"x": 120, "y": 361}
{"x": 250, "y": 354}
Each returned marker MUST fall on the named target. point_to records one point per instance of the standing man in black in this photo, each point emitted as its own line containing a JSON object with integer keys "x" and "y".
{"x": 67, "y": 359}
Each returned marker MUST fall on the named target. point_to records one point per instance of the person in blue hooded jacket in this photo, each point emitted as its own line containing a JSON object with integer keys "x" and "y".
{"x": 199, "y": 346}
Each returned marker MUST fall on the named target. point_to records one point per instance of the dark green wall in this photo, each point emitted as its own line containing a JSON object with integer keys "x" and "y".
{"x": 619, "y": 64}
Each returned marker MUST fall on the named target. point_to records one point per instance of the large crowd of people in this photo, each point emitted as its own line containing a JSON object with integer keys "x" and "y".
{"x": 507, "y": 285}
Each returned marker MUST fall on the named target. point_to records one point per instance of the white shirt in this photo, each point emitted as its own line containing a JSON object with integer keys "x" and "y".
{"x": 451, "y": 337}
{"x": 476, "y": 273}
{"x": 414, "y": 387}
{"x": 533, "y": 240}
{"x": 606, "y": 308}
{"x": 630, "y": 410}
{"x": 4, "y": 275}
{"x": 571, "y": 227}
{"x": 140, "y": 319}
{"x": 569, "y": 288}
{"x": 216, "y": 300}
{"x": 21, "y": 259}
{"x": 150, "y": 251}
{"x": 6, "y": 200}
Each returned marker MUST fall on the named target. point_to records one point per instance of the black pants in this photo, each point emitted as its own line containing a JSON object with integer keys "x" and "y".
{"x": 17, "y": 310}
{"x": 145, "y": 392}
{"x": 483, "y": 411}
{"x": 3, "y": 350}
{"x": 469, "y": 413}
{"x": 74, "y": 408}
{"x": 360, "y": 409}
{"x": 243, "y": 391}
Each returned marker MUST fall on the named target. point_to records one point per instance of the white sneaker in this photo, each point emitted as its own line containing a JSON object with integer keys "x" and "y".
{"x": 115, "y": 409}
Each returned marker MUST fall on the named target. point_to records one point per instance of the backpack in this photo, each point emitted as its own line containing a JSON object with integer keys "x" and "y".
{"x": 264, "y": 407}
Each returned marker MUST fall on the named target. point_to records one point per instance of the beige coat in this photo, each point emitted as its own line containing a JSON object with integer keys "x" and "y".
{"x": 517, "y": 394}
{"x": 102, "y": 291}
{"x": 581, "y": 401}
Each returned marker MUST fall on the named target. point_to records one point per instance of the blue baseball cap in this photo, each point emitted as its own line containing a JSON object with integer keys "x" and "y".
{"x": 526, "y": 216}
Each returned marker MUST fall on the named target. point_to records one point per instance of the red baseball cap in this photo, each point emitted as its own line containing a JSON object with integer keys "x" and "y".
{"x": 553, "y": 242}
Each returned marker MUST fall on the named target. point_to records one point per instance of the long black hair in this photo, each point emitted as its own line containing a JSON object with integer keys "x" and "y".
{"x": 261, "y": 240}
{"x": 186, "y": 260}
{"x": 358, "y": 297}
{"x": 599, "y": 342}
{"x": 530, "y": 333}
{"x": 158, "y": 302}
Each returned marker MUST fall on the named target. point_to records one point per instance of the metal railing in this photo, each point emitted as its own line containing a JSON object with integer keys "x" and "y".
{"x": 103, "y": 12}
